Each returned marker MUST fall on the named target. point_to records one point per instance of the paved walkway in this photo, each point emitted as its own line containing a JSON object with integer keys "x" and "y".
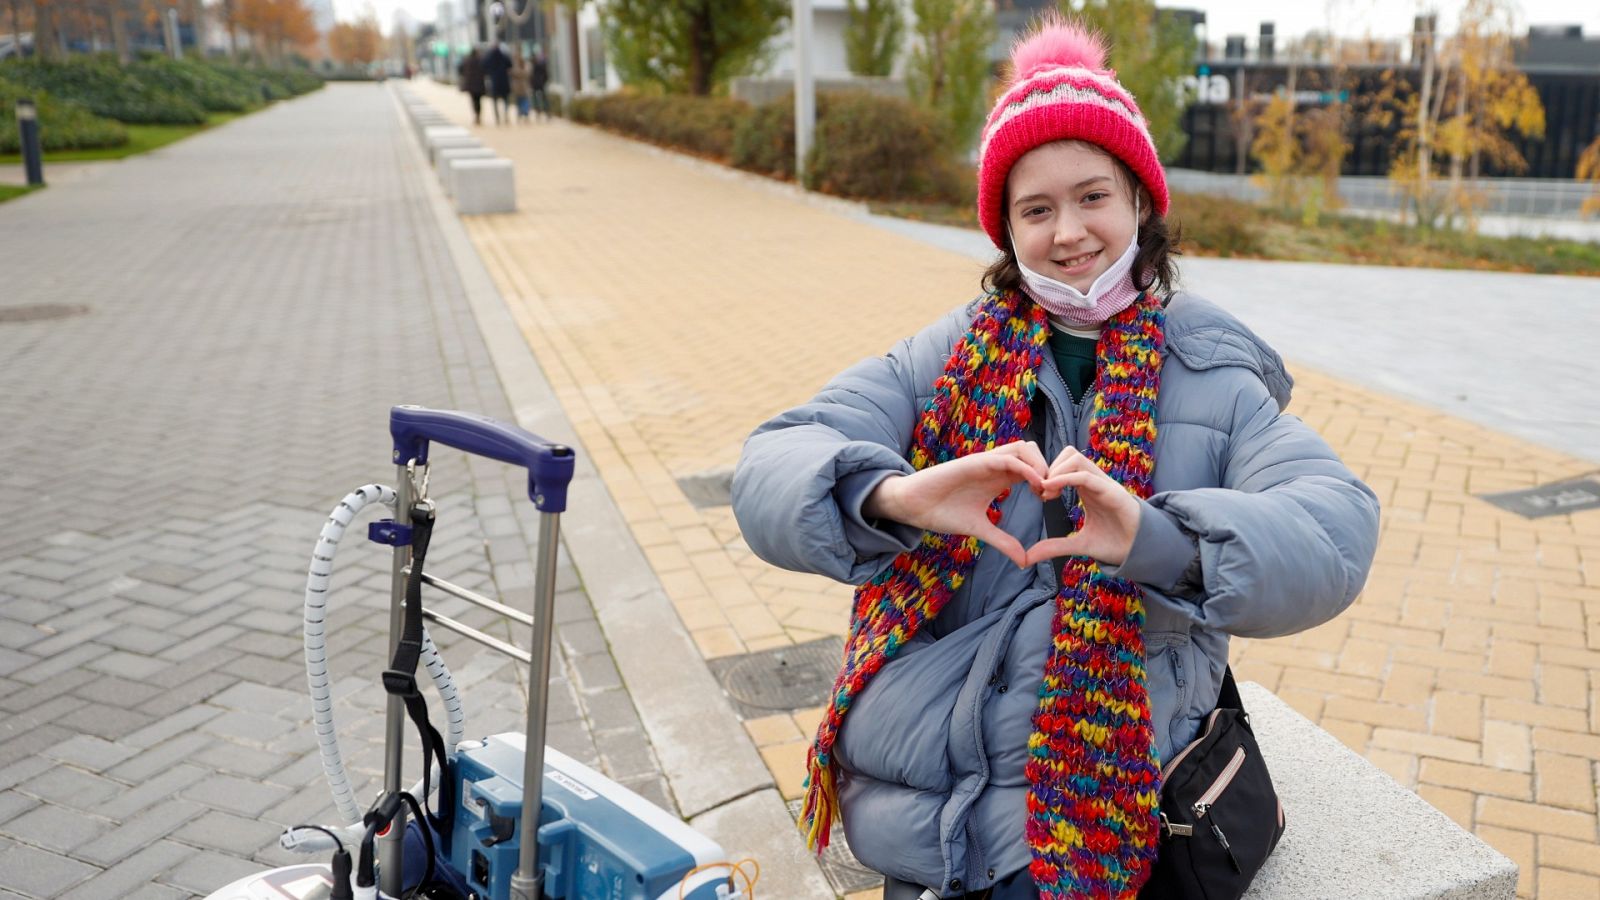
{"x": 674, "y": 305}
{"x": 257, "y": 297}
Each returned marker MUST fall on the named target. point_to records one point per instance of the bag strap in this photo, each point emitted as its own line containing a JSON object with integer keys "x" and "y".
{"x": 400, "y": 679}
{"x": 1229, "y": 697}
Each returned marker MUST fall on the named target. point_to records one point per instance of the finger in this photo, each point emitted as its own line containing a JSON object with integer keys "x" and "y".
{"x": 1029, "y": 452}
{"x": 1067, "y": 453}
{"x": 1001, "y": 540}
{"x": 1055, "y": 484}
{"x": 1051, "y": 548}
{"x": 1020, "y": 471}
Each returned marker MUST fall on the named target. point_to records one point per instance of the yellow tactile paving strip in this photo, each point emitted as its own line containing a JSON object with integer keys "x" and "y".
{"x": 674, "y": 307}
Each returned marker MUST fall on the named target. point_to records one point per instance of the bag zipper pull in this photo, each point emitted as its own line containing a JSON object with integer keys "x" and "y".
{"x": 1225, "y": 846}
{"x": 1175, "y": 829}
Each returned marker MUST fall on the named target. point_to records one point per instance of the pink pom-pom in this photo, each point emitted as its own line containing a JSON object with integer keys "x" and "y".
{"x": 1056, "y": 42}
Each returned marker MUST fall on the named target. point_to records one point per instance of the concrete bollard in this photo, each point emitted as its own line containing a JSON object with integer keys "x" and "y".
{"x": 451, "y": 154}
{"x": 483, "y": 186}
{"x": 437, "y": 143}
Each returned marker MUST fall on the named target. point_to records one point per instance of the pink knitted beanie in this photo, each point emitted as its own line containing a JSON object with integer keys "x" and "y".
{"x": 1060, "y": 90}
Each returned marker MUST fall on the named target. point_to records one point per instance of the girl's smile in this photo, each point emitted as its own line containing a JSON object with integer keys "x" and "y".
{"x": 1077, "y": 265}
{"x": 1072, "y": 214}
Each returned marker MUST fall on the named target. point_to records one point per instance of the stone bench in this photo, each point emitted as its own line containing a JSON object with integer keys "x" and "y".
{"x": 483, "y": 186}
{"x": 448, "y": 155}
{"x": 1353, "y": 832}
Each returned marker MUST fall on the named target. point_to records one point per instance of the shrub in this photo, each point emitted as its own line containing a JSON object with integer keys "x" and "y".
{"x": 882, "y": 148}
{"x": 106, "y": 89}
{"x": 702, "y": 125}
{"x": 214, "y": 91}
{"x": 764, "y": 140}
{"x": 1216, "y": 226}
{"x": 62, "y": 125}
{"x": 253, "y": 81}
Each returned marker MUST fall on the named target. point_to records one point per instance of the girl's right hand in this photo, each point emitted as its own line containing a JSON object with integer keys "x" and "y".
{"x": 954, "y": 497}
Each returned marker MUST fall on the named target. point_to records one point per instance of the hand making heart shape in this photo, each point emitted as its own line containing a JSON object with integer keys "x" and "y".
{"x": 954, "y": 498}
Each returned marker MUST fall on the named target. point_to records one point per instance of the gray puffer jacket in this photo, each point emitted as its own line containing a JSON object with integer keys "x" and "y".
{"x": 1255, "y": 528}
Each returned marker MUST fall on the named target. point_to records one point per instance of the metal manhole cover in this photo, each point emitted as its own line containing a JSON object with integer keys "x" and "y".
{"x": 40, "y": 312}
{"x": 707, "y": 489}
{"x": 781, "y": 679}
{"x": 1558, "y": 499}
{"x": 844, "y": 871}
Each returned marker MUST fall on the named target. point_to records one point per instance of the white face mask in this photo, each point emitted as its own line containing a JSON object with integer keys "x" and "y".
{"x": 1110, "y": 293}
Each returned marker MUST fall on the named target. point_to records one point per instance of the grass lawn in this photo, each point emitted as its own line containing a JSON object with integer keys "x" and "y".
{"x": 141, "y": 138}
{"x": 10, "y": 191}
{"x": 1217, "y": 226}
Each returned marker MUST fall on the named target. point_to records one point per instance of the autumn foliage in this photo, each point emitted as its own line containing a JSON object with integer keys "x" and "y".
{"x": 355, "y": 44}
{"x": 277, "y": 27}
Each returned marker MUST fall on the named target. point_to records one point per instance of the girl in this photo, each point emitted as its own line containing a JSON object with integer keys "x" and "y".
{"x": 1058, "y": 501}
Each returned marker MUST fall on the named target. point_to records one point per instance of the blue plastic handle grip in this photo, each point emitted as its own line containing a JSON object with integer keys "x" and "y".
{"x": 549, "y": 464}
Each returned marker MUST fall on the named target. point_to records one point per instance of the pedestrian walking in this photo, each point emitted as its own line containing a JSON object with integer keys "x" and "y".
{"x": 1058, "y": 501}
{"x": 521, "y": 90}
{"x": 538, "y": 82}
{"x": 497, "y": 69}
{"x": 471, "y": 73}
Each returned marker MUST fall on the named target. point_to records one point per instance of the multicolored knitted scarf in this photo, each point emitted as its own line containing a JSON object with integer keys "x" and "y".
{"x": 1092, "y": 769}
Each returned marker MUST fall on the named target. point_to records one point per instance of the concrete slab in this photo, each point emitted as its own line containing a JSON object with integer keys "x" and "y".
{"x": 1351, "y": 825}
{"x": 741, "y": 826}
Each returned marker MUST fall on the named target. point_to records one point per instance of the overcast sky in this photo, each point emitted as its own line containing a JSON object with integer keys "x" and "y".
{"x": 1381, "y": 18}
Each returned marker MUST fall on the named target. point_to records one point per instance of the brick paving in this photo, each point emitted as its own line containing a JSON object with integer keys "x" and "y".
{"x": 675, "y": 305}
{"x": 258, "y": 296}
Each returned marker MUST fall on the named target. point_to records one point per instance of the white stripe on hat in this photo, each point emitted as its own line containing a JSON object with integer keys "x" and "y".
{"x": 1065, "y": 92}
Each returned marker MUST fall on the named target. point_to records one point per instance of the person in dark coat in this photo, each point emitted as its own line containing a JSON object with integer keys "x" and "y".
{"x": 538, "y": 80}
{"x": 497, "y": 67}
{"x": 471, "y": 71}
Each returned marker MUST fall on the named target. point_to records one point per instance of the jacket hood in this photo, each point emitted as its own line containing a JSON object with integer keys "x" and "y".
{"x": 1203, "y": 335}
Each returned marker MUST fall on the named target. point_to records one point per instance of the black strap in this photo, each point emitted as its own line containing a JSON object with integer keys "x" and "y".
{"x": 400, "y": 679}
{"x": 1229, "y": 697}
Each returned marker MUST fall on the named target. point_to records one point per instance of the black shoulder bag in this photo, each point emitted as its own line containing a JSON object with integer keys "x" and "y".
{"x": 1220, "y": 817}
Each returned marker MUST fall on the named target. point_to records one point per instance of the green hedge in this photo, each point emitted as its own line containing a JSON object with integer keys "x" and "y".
{"x": 702, "y": 125}
{"x": 882, "y": 148}
{"x": 63, "y": 125}
{"x": 867, "y": 146}
{"x": 106, "y": 89}
{"x": 764, "y": 141}
{"x": 202, "y": 83}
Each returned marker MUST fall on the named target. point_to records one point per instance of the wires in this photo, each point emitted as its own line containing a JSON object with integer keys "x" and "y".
{"x": 340, "y": 864}
{"x": 733, "y": 868}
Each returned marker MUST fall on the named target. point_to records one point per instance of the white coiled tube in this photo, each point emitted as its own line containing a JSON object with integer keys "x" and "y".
{"x": 316, "y": 611}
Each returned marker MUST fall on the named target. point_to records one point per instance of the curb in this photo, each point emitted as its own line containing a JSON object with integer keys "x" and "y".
{"x": 716, "y": 776}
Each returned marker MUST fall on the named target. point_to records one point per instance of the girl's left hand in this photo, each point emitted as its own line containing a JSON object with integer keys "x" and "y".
{"x": 1110, "y": 513}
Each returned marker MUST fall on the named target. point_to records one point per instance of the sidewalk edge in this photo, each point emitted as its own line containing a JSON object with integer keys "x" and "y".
{"x": 708, "y": 759}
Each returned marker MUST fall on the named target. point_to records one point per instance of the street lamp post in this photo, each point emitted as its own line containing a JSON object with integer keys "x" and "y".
{"x": 172, "y": 33}
{"x": 805, "y": 96}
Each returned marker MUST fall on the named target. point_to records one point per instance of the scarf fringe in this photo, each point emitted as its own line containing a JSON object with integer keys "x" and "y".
{"x": 821, "y": 807}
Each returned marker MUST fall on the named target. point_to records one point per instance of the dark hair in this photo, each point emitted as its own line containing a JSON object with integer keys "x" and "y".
{"x": 1153, "y": 264}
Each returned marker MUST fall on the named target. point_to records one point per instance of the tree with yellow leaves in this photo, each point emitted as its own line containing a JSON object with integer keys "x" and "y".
{"x": 355, "y": 44}
{"x": 1471, "y": 100}
{"x": 277, "y": 27}
{"x": 1589, "y": 170}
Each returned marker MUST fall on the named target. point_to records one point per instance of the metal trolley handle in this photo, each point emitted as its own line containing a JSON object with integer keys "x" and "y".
{"x": 550, "y": 467}
{"x": 549, "y": 464}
